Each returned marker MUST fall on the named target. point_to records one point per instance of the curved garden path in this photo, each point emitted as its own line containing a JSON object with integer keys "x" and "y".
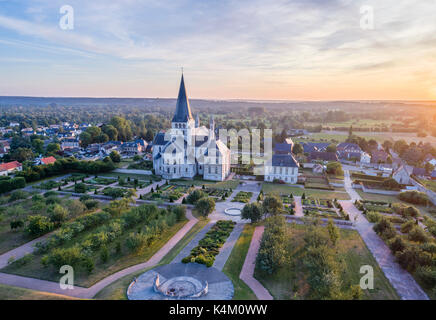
{"x": 88, "y": 293}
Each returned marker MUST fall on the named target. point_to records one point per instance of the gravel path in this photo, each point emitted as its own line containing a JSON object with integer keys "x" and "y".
{"x": 298, "y": 207}
{"x": 400, "y": 279}
{"x": 249, "y": 265}
{"x": 226, "y": 249}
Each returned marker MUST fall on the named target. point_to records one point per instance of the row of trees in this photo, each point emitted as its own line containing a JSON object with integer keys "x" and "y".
{"x": 66, "y": 165}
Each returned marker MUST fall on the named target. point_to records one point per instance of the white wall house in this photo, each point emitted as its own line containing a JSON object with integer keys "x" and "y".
{"x": 282, "y": 167}
{"x": 402, "y": 175}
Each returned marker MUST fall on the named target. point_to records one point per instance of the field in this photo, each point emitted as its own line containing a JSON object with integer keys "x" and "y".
{"x": 288, "y": 283}
{"x": 337, "y": 136}
{"x": 284, "y": 189}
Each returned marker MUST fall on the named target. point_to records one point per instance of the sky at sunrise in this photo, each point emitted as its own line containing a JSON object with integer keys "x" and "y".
{"x": 240, "y": 49}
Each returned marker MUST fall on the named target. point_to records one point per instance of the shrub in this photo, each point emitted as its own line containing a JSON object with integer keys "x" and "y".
{"x": 104, "y": 254}
{"x": 373, "y": 216}
{"x": 91, "y": 204}
{"x": 427, "y": 276}
{"x": 407, "y": 226}
{"x": 58, "y": 214}
{"x": 136, "y": 241}
{"x": 15, "y": 224}
{"x": 418, "y": 235}
{"x": 414, "y": 197}
{"x": 412, "y": 257}
{"x": 385, "y": 229}
{"x": 195, "y": 195}
{"x": 397, "y": 244}
{"x": 38, "y": 225}
{"x": 335, "y": 168}
{"x": 65, "y": 256}
{"x": 18, "y": 195}
{"x": 80, "y": 188}
{"x": 180, "y": 212}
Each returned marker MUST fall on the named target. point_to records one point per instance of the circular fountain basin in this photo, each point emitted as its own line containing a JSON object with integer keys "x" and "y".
{"x": 233, "y": 211}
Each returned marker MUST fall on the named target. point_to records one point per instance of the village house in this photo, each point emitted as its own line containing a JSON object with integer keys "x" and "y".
{"x": 48, "y": 160}
{"x": 324, "y": 157}
{"x": 402, "y": 174}
{"x": 9, "y": 167}
{"x": 282, "y": 167}
{"x": 379, "y": 156}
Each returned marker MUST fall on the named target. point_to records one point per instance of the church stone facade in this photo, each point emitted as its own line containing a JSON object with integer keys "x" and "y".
{"x": 188, "y": 149}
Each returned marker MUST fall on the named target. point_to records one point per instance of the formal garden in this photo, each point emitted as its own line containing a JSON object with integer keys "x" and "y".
{"x": 100, "y": 243}
{"x": 312, "y": 262}
{"x": 243, "y": 196}
{"x": 168, "y": 192}
{"x": 209, "y": 247}
{"x": 323, "y": 208}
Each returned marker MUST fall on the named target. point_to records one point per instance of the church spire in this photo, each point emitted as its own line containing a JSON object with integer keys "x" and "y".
{"x": 183, "y": 110}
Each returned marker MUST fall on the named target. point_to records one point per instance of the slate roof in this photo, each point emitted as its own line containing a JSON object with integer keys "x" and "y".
{"x": 314, "y": 146}
{"x": 347, "y": 145}
{"x": 283, "y": 148}
{"x": 159, "y": 139}
{"x": 419, "y": 172}
{"x": 183, "y": 110}
{"x": 284, "y": 160}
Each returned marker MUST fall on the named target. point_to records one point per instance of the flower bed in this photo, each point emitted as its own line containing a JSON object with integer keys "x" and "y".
{"x": 243, "y": 197}
{"x": 168, "y": 193}
{"x": 100, "y": 181}
{"x": 48, "y": 185}
{"x": 209, "y": 247}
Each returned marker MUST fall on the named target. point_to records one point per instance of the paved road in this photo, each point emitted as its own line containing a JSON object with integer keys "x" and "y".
{"x": 349, "y": 188}
{"x": 249, "y": 265}
{"x": 298, "y": 207}
{"x": 87, "y": 293}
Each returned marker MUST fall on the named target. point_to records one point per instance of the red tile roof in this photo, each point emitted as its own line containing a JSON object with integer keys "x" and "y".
{"x": 48, "y": 160}
{"x": 10, "y": 165}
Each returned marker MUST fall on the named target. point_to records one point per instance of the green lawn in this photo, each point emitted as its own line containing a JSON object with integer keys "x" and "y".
{"x": 285, "y": 189}
{"x": 15, "y": 293}
{"x": 144, "y": 177}
{"x": 235, "y": 262}
{"x": 117, "y": 290}
{"x": 430, "y": 184}
{"x": 288, "y": 282}
{"x": 228, "y": 184}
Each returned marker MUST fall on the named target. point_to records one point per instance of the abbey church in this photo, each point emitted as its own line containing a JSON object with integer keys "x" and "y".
{"x": 188, "y": 149}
